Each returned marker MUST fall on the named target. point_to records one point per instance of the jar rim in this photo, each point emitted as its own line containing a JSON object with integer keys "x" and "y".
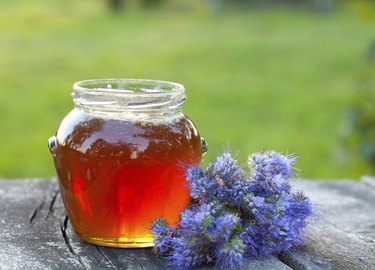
{"x": 129, "y": 98}
{"x": 128, "y": 86}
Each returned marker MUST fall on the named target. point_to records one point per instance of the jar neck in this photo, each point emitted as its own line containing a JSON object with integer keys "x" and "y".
{"x": 130, "y": 98}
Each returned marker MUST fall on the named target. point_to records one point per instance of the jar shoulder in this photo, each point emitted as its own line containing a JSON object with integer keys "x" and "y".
{"x": 102, "y": 136}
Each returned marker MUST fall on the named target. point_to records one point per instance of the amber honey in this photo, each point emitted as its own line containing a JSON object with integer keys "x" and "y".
{"x": 120, "y": 156}
{"x": 117, "y": 176}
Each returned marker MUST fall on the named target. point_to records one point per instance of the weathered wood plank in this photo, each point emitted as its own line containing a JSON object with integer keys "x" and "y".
{"x": 368, "y": 180}
{"x": 95, "y": 257}
{"x": 29, "y": 229}
{"x": 35, "y": 233}
{"x": 343, "y": 237}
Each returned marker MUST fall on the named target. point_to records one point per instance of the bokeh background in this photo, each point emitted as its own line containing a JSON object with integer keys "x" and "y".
{"x": 292, "y": 76}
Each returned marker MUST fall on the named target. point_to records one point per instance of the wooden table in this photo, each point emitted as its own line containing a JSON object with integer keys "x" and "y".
{"x": 35, "y": 232}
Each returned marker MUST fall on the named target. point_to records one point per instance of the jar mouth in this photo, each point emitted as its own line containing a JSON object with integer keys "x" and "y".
{"x": 129, "y": 98}
{"x": 128, "y": 86}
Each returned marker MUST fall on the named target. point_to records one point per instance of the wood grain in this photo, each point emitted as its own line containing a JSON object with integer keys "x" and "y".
{"x": 343, "y": 235}
{"x": 35, "y": 232}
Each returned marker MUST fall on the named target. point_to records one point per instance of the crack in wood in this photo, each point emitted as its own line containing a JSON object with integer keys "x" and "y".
{"x": 106, "y": 258}
{"x": 333, "y": 242}
{"x": 291, "y": 262}
{"x": 36, "y": 211}
{"x": 51, "y": 205}
{"x": 357, "y": 234}
{"x": 136, "y": 260}
{"x": 64, "y": 227}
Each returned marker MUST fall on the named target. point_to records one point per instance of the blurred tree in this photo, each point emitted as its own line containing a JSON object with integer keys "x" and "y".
{"x": 323, "y": 5}
{"x": 215, "y": 5}
{"x": 358, "y": 133}
{"x": 120, "y": 4}
{"x": 152, "y": 3}
{"x": 365, "y": 8}
{"x": 319, "y": 5}
{"x": 115, "y": 4}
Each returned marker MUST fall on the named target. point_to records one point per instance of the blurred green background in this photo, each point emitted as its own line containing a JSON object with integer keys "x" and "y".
{"x": 258, "y": 75}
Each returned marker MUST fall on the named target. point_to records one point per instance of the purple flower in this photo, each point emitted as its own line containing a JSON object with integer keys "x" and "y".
{"x": 236, "y": 214}
{"x": 159, "y": 227}
{"x": 187, "y": 253}
{"x": 270, "y": 173}
{"x": 203, "y": 186}
{"x": 223, "y": 180}
{"x": 223, "y": 227}
{"x": 197, "y": 182}
{"x": 278, "y": 224}
{"x": 225, "y": 167}
{"x": 193, "y": 242}
{"x": 162, "y": 235}
{"x": 194, "y": 173}
{"x": 270, "y": 170}
{"x": 258, "y": 201}
{"x": 229, "y": 255}
{"x": 195, "y": 221}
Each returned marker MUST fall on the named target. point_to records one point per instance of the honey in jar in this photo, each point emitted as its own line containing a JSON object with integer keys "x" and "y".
{"x": 120, "y": 156}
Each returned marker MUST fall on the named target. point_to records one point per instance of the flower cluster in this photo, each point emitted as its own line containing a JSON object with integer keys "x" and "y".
{"x": 236, "y": 214}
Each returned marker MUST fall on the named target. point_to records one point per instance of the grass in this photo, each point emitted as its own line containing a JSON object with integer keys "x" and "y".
{"x": 256, "y": 79}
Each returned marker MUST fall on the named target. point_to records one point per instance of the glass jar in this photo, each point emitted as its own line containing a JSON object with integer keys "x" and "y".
{"x": 120, "y": 156}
